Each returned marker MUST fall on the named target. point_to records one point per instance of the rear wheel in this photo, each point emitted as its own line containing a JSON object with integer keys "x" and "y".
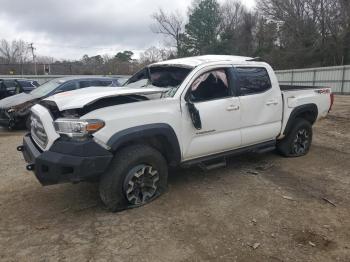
{"x": 298, "y": 140}
{"x": 137, "y": 175}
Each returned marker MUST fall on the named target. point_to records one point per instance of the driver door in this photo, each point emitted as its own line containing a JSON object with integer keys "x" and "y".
{"x": 213, "y": 96}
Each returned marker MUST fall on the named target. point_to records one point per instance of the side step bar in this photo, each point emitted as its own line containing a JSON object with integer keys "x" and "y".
{"x": 265, "y": 149}
{"x": 217, "y": 158}
{"x": 210, "y": 165}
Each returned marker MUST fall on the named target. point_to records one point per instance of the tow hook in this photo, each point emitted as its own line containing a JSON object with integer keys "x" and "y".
{"x": 20, "y": 148}
{"x": 30, "y": 167}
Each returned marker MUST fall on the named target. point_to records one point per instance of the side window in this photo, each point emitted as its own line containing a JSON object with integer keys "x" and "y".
{"x": 68, "y": 87}
{"x": 252, "y": 80}
{"x": 141, "y": 75}
{"x": 12, "y": 87}
{"x": 210, "y": 85}
{"x": 95, "y": 83}
{"x": 85, "y": 83}
{"x": 106, "y": 83}
{"x": 10, "y": 84}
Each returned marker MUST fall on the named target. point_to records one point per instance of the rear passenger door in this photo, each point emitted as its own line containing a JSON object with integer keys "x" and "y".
{"x": 261, "y": 105}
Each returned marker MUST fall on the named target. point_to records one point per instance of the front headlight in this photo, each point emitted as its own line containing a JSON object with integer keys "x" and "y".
{"x": 75, "y": 128}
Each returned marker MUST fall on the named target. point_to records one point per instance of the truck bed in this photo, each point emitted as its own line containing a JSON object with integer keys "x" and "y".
{"x": 295, "y": 96}
{"x": 297, "y": 87}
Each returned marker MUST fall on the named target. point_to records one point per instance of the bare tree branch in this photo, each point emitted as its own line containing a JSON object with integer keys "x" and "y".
{"x": 169, "y": 24}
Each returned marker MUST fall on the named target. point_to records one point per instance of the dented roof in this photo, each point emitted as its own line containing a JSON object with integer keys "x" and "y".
{"x": 199, "y": 60}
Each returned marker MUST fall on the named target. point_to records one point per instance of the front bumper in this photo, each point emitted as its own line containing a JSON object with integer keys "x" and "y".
{"x": 65, "y": 161}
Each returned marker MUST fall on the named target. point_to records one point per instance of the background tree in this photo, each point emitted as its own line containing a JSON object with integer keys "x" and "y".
{"x": 171, "y": 25}
{"x": 231, "y": 13}
{"x": 154, "y": 54}
{"x": 345, "y": 23}
{"x": 125, "y": 56}
{"x": 202, "y": 30}
{"x": 310, "y": 32}
{"x": 14, "y": 52}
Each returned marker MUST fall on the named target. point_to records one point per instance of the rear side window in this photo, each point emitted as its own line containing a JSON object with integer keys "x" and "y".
{"x": 26, "y": 83}
{"x": 252, "y": 80}
{"x": 10, "y": 83}
{"x": 86, "y": 83}
{"x": 68, "y": 87}
{"x": 106, "y": 83}
{"x": 89, "y": 83}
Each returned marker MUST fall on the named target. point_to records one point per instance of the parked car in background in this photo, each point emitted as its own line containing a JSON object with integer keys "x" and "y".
{"x": 13, "y": 86}
{"x": 15, "y": 110}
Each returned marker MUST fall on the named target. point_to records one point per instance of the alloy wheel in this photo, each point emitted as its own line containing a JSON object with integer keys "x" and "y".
{"x": 141, "y": 184}
{"x": 301, "y": 142}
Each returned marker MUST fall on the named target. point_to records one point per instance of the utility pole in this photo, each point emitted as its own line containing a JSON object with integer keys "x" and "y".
{"x": 32, "y": 49}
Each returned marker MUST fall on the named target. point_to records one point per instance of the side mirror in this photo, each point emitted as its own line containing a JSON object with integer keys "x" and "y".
{"x": 195, "y": 116}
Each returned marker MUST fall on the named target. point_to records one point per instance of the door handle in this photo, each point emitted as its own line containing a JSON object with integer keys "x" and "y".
{"x": 272, "y": 102}
{"x": 232, "y": 108}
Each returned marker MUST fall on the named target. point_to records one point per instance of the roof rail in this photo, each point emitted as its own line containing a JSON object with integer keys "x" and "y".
{"x": 255, "y": 59}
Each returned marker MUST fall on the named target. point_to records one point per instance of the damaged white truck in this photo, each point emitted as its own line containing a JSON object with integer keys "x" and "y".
{"x": 181, "y": 112}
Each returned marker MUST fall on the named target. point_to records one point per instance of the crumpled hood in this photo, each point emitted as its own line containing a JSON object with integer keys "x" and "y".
{"x": 16, "y": 100}
{"x": 82, "y": 97}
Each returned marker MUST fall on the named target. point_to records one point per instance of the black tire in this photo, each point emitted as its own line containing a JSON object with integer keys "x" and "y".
{"x": 123, "y": 173}
{"x": 298, "y": 140}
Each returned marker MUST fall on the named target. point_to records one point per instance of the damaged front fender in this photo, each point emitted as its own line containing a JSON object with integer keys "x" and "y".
{"x": 16, "y": 116}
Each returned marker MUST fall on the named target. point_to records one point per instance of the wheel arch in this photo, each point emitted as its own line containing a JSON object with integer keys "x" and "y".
{"x": 308, "y": 112}
{"x": 160, "y": 136}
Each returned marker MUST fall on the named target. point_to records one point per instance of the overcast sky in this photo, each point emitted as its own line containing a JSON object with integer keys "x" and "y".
{"x": 71, "y": 28}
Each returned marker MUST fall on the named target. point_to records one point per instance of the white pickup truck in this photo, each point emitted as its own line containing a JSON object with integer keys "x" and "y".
{"x": 180, "y": 112}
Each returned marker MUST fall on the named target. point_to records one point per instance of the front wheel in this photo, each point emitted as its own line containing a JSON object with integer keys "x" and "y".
{"x": 137, "y": 175}
{"x": 298, "y": 140}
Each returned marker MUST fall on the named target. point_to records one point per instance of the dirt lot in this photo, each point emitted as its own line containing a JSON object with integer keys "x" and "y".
{"x": 259, "y": 208}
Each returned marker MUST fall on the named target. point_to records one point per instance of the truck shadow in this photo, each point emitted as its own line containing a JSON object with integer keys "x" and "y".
{"x": 71, "y": 199}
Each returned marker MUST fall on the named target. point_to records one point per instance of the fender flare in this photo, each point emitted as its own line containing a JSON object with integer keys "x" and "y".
{"x": 299, "y": 110}
{"x": 172, "y": 147}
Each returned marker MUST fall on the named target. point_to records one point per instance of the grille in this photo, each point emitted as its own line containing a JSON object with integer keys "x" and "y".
{"x": 38, "y": 131}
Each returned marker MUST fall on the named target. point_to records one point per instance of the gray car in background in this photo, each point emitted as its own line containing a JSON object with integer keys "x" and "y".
{"x": 15, "y": 110}
{"x": 13, "y": 86}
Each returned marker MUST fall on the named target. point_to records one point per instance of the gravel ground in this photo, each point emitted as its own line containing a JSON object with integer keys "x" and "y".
{"x": 259, "y": 208}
